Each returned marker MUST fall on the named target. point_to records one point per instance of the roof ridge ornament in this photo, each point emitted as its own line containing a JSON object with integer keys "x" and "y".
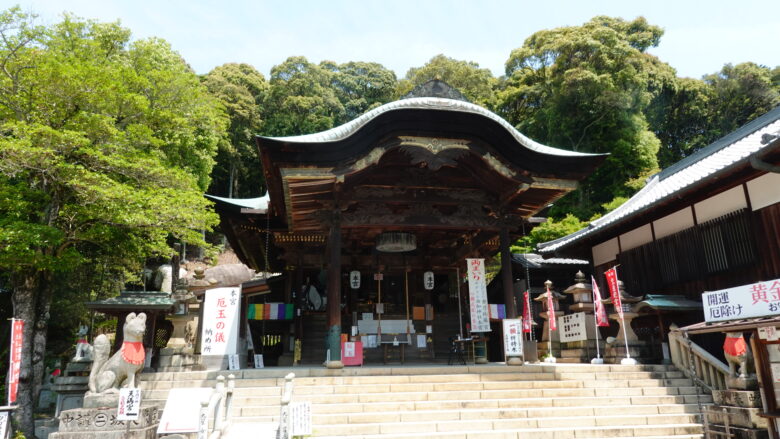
{"x": 436, "y": 88}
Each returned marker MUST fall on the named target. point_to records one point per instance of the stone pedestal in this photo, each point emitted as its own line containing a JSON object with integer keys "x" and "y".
{"x": 177, "y": 359}
{"x": 546, "y": 330}
{"x": 740, "y": 408}
{"x": 71, "y": 386}
{"x": 630, "y": 335}
{"x": 615, "y": 352}
{"x": 102, "y": 424}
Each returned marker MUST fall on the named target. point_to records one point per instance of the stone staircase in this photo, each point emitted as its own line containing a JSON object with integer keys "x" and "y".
{"x": 486, "y": 401}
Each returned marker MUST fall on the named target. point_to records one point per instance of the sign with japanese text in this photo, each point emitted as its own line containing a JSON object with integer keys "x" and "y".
{"x": 15, "y": 364}
{"x": 614, "y": 290}
{"x": 3, "y": 425}
{"x": 129, "y": 404}
{"x": 527, "y": 321}
{"x": 300, "y": 415}
{"x": 513, "y": 337}
{"x": 233, "y": 363}
{"x": 259, "y": 360}
{"x": 354, "y": 279}
{"x": 428, "y": 282}
{"x": 755, "y": 300}
{"x": 220, "y": 321}
{"x": 572, "y": 327}
{"x": 478, "y": 303}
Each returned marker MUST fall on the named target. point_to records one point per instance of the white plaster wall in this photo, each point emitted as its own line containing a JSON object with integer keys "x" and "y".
{"x": 721, "y": 204}
{"x": 671, "y": 224}
{"x": 764, "y": 190}
{"x": 635, "y": 238}
{"x": 605, "y": 252}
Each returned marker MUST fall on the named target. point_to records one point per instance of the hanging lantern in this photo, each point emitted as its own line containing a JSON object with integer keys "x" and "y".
{"x": 354, "y": 279}
{"x": 428, "y": 280}
{"x": 396, "y": 242}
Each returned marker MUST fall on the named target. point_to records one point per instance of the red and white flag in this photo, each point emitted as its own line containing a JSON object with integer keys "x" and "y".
{"x": 600, "y": 310}
{"x": 551, "y": 311}
{"x": 15, "y": 365}
{"x": 614, "y": 290}
{"x": 526, "y": 312}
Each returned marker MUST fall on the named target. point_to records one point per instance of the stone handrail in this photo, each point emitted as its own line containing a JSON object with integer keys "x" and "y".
{"x": 284, "y": 416}
{"x": 219, "y": 405}
{"x": 697, "y": 363}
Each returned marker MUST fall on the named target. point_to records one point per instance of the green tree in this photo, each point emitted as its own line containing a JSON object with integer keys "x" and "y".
{"x": 740, "y": 94}
{"x": 475, "y": 83}
{"x": 107, "y": 147}
{"x": 300, "y": 99}
{"x": 680, "y": 116}
{"x": 360, "y": 86}
{"x": 241, "y": 90}
{"x": 585, "y": 88}
{"x": 547, "y": 231}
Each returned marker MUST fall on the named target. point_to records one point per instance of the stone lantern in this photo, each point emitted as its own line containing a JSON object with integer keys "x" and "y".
{"x": 547, "y": 314}
{"x": 628, "y": 315}
{"x": 582, "y": 294}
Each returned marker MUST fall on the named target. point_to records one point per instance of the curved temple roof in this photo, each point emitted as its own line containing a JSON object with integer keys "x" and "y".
{"x": 426, "y": 103}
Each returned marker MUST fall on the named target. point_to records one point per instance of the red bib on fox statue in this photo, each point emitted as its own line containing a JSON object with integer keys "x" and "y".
{"x": 133, "y": 352}
{"x": 734, "y": 346}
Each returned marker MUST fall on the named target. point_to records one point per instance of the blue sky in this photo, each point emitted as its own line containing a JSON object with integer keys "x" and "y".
{"x": 700, "y": 36}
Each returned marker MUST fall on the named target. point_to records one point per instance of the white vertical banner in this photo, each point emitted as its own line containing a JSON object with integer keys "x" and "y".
{"x": 220, "y": 321}
{"x": 478, "y": 303}
{"x": 513, "y": 338}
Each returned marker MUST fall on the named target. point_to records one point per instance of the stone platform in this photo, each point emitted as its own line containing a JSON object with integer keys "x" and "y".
{"x": 103, "y": 424}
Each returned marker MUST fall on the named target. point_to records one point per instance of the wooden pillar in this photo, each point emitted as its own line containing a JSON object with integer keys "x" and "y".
{"x": 333, "y": 343}
{"x": 508, "y": 284}
{"x": 506, "y": 274}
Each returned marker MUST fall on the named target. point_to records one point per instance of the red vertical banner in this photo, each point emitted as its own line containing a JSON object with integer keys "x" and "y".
{"x": 527, "y": 322}
{"x": 15, "y": 364}
{"x": 551, "y": 311}
{"x": 614, "y": 290}
{"x": 601, "y": 312}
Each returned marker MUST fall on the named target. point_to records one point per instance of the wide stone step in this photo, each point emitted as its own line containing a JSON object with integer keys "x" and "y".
{"x": 342, "y": 413}
{"x": 502, "y": 429}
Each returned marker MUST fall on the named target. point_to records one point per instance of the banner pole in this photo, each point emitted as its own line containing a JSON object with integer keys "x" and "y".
{"x": 598, "y": 359}
{"x": 460, "y": 311}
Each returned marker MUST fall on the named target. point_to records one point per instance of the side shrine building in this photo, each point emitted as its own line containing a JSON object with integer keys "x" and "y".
{"x": 371, "y": 223}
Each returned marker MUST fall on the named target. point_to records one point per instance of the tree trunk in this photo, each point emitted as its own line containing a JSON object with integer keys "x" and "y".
{"x": 31, "y": 305}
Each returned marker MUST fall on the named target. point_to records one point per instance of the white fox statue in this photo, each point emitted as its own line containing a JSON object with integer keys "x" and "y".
{"x": 108, "y": 374}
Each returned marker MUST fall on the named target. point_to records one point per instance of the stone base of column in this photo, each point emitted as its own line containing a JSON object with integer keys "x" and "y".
{"x": 514, "y": 361}
{"x": 336, "y": 364}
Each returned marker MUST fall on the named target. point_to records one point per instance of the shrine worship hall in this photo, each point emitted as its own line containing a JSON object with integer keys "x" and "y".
{"x": 367, "y": 228}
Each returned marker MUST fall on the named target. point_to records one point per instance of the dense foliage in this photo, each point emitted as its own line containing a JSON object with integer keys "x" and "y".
{"x": 107, "y": 146}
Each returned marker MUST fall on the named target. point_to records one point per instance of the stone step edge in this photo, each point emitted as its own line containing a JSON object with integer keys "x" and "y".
{"x": 690, "y": 405}
{"x": 320, "y": 372}
{"x": 557, "y": 398}
{"x": 533, "y": 418}
{"x": 520, "y": 431}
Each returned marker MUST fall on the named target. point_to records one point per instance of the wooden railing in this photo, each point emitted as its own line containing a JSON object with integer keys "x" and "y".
{"x": 697, "y": 363}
